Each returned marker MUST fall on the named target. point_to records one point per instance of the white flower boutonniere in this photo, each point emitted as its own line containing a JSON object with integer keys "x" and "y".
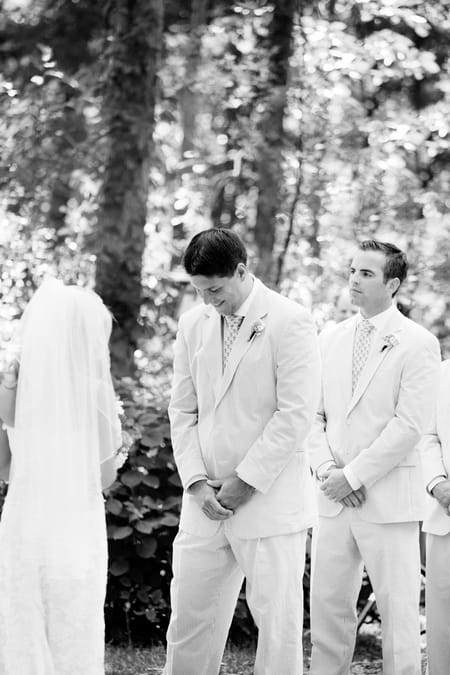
{"x": 256, "y": 329}
{"x": 389, "y": 341}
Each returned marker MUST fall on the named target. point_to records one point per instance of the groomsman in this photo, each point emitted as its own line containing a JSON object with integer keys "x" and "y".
{"x": 436, "y": 467}
{"x": 379, "y": 377}
{"x": 245, "y": 388}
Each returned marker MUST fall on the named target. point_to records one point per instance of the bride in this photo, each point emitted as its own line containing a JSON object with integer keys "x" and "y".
{"x": 65, "y": 434}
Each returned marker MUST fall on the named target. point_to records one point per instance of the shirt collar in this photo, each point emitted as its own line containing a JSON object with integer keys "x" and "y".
{"x": 380, "y": 320}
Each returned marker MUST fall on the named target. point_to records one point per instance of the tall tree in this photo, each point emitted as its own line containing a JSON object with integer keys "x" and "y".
{"x": 134, "y": 38}
{"x": 189, "y": 102}
{"x": 269, "y": 153}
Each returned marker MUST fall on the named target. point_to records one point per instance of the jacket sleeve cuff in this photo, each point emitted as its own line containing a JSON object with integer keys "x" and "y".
{"x": 245, "y": 473}
{"x": 432, "y": 484}
{"x": 352, "y": 479}
{"x": 195, "y": 479}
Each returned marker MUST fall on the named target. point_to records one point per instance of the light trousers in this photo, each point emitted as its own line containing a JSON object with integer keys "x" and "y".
{"x": 341, "y": 546}
{"x": 208, "y": 574}
{"x": 437, "y": 592}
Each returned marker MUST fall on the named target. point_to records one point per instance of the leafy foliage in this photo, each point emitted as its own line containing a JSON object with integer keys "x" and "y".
{"x": 365, "y": 145}
{"x": 142, "y": 516}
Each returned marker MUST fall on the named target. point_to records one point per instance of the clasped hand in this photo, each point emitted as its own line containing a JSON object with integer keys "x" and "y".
{"x": 441, "y": 492}
{"x": 218, "y": 499}
{"x": 337, "y": 488}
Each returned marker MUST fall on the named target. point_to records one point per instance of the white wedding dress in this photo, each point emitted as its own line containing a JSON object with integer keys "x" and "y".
{"x": 51, "y": 625}
{"x": 53, "y": 548}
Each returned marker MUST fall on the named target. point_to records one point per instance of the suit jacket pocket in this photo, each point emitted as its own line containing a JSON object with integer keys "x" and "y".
{"x": 411, "y": 459}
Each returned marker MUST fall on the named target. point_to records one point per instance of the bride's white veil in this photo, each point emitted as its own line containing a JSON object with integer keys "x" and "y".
{"x": 65, "y": 424}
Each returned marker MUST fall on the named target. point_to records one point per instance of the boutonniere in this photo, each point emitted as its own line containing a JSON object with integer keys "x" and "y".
{"x": 256, "y": 329}
{"x": 389, "y": 341}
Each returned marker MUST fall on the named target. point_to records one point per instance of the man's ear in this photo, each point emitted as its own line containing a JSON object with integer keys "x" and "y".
{"x": 393, "y": 285}
{"x": 242, "y": 270}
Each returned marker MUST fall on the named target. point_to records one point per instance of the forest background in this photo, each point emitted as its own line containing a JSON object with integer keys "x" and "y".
{"x": 126, "y": 126}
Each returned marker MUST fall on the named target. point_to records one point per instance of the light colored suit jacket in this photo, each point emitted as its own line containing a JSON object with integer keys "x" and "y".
{"x": 435, "y": 447}
{"x": 376, "y": 430}
{"x": 253, "y": 418}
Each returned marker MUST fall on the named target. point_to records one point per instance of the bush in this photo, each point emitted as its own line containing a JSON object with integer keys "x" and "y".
{"x": 142, "y": 510}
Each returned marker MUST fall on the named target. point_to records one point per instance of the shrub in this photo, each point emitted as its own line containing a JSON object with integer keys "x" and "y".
{"x": 142, "y": 510}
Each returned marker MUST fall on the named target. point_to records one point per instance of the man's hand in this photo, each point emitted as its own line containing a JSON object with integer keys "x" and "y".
{"x": 232, "y": 492}
{"x": 205, "y": 496}
{"x": 441, "y": 492}
{"x": 335, "y": 485}
{"x": 356, "y": 498}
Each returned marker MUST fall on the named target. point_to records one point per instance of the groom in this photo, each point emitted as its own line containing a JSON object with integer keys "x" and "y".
{"x": 246, "y": 380}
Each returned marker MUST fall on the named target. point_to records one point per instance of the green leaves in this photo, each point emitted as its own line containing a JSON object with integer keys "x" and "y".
{"x": 131, "y": 478}
{"x": 114, "y": 506}
{"x": 115, "y": 532}
{"x": 142, "y": 515}
{"x": 147, "y": 548}
{"x": 145, "y": 526}
{"x": 119, "y": 567}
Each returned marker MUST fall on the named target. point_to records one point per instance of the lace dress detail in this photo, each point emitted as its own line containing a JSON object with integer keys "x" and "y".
{"x": 51, "y": 625}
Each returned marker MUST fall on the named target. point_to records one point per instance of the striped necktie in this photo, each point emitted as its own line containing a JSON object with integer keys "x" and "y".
{"x": 230, "y": 334}
{"x": 361, "y": 346}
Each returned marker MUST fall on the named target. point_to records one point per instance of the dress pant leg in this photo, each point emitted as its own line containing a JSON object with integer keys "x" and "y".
{"x": 204, "y": 592}
{"x": 273, "y": 568}
{"x": 336, "y": 577}
{"x": 437, "y": 593}
{"x": 391, "y": 555}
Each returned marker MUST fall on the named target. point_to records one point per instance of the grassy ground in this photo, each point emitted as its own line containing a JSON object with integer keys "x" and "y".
{"x": 128, "y": 661}
{"x": 151, "y": 661}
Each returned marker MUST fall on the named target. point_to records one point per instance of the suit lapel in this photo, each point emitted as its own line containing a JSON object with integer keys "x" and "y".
{"x": 376, "y": 357}
{"x": 344, "y": 351}
{"x": 212, "y": 343}
{"x": 257, "y": 310}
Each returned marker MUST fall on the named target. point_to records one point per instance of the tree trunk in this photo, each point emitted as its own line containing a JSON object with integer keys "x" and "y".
{"x": 71, "y": 133}
{"x": 189, "y": 96}
{"x": 269, "y": 154}
{"x": 292, "y": 210}
{"x": 135, "y": 37}
{"x": 189, "y": 105}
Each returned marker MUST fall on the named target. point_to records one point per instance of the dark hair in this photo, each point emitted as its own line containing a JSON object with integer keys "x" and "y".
{"x": 396, "y": 265}
{"x": 215, "y": 252}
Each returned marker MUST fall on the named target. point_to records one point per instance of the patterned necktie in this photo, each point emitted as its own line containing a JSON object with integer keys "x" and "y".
{"x": 361, "y": 347}
{"x": 230, "y": 334}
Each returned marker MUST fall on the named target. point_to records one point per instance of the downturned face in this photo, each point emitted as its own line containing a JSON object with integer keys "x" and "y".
{"x": 225, "y": 294}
